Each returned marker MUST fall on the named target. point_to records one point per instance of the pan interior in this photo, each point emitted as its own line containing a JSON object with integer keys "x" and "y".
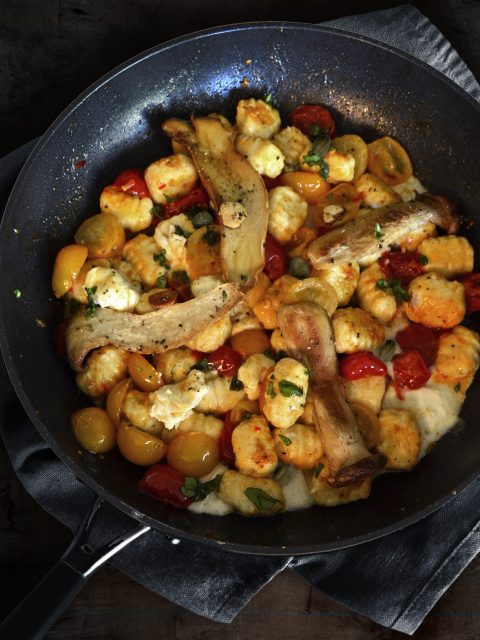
{"x": 115, "y": 125}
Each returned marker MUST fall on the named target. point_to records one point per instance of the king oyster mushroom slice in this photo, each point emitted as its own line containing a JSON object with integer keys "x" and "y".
{"x": 236, "y": 190}
{"x": 153, "y": 332}
{"x": 307, "y": 332}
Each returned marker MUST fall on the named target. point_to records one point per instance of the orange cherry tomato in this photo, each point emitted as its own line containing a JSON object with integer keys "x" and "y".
{"x": 143, "y": 374}
{"x": 203, "y": 252}
{"x": 389, "y": 161}
{"x": 69, "y": 261}
{"x": 193, "y": 453}
{"x": 93, "y": 429}
{"x": 250, "y": 341}
{"x": 138, "y": 446}
{"x": 115, "y": 399}
{"x": 103, "y": 235}
{"x": 310, "y": 186}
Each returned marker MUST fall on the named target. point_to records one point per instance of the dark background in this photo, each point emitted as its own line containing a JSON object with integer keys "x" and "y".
{"x": 50, "y": 51}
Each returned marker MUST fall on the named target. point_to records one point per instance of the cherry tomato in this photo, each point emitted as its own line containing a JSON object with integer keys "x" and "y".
{"x": 409, "y": 371}
{"x": 225, "y": 442}
{"x": 93, "y": 429}
{"x": 185, "y": 203}
{"x": 131, "y": 181}
{"x": 275, "y": 261}
{"x": 193, "y": 453}
{"x": 164, "y": 483}
{"x": 417, "y": 337}
{"x": 401, "y": 266}
{"x": 471, "y": 284}
{"x": 306, "y": 116}
{"x": 361, "y": 365}
{"x": 225, "y": 360}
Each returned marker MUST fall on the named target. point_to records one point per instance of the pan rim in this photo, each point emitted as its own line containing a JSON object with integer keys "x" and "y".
{"x": 10, "y": 359}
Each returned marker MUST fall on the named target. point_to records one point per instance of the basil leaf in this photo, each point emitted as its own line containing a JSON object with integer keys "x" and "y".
{"x": 423, "y": 259}
{"x": 395, "y": 286}
{"x": 189, "y": 486}
{"x": 157, "y": 210}
{"x": 378, "y": 231}
{"x": 271, "y": 390}
{"x": 193, "y": 488}
{"x": 262, "y": 500}
{"x": 161, "y": 282}
{"x": 161, "y": 258}
{"x": 202, "y": 365}
{"x": 386, "y": 350}
{"x": 92, "y": 307}
{"x": 318, "y": 469}
{"x": 289, "y": 389}
{"x": 178, "y": 231}
{"x": 286, "y": 441}
{"x": 236, "y": 384}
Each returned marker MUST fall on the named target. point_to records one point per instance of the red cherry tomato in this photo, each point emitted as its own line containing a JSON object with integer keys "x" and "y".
{"x": 225, "y": 448}
{"x": 306, "y": 116}
{"x": 409, "y": 371}
{"x": 225, "y": 360}
{"x": 271, "y": 183}
{"x": 131, "y": 181}
{"x": 362, "y": 364}
{"x": 417, "y": 337}
{"x": 401, "y": 266}
{"x": 275, "y": 261}
{"x": 185, "y": 203}
{"x": 162, "y": 482}
{"x": 471, "y": 284}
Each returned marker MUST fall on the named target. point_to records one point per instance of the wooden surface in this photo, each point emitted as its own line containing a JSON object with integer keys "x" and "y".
{"x": 51, "y": 50}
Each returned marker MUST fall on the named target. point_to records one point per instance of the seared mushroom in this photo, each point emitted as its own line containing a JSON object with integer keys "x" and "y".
{"x": 307, "y": 332}
{"x": 153, "y": 332}
{"x": 237, "y": 191}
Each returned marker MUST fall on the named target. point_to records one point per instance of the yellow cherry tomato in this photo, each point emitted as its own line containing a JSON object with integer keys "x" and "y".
{"x": 300, "y": 241}
{"x": 67, "y": 266}
{"x": 389, "y": 161}
{"x": 116, "y": 398}
{"x": 355, "y": 146}
{"x": 310, "y": 186}
{"x": 138, "y": 446}
{"x": 94, "y": 430}
{"x": 103, "y": 235}
{"x": 193, "y": 453}
{"x": 337, "y": 207}
{"x": 143, "y": 374}
{"x": 203, "y": 252}
{"x": 250, "y": 341}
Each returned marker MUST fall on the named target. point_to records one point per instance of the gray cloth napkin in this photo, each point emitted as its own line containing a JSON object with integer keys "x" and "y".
{"x": 395, "y": 580}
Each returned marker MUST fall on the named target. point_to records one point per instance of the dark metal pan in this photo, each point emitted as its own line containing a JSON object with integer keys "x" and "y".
{"x": 115, "y": 124}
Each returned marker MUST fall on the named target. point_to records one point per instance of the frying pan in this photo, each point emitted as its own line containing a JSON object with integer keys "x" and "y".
{"x": 371, "y": 90}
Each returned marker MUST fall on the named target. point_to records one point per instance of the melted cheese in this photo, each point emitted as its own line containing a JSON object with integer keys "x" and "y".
{"x": 173, "y": 403}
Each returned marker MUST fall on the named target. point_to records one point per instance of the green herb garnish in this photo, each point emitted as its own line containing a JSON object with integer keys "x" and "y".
{"x": 169, "y": 198}
{"x": 92, "y": 307}
{"x": 318, "y": 469}
{"x": 289, "y": 389}
{"x": 236, "y": 384}
{"x": 202, "y": 365}
{"x": 386, "y": 350}
{"x": 224, "y": 295}
{"x": 161, "y": 282}
{"x": 423, "y": 259}
{"x": 378, "y": 231}
{"x": 314, "y": 159}
{"x": 193, "y": 488}
{"x": 268, "y": 98}
{"x": 243, "y": 277}
{"x": 211, "y": 237}
{"x": 177, "y": 230}
{"x": 457, "y": 387}
{"x": 271, "y": 390}
{"x": 17, "y": 293}
{"x": 262, "y": 500}
{"x": 161, "y": 258}
{"x": 158, "y": 211}
{"x": 181, "y": 277}
{"x": 246, "y": 416}
{"x": 395, "y": 287}
{"x": 286, "y": 441}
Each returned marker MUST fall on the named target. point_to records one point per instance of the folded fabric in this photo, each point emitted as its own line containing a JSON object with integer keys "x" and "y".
{"x": 394, "y": 581}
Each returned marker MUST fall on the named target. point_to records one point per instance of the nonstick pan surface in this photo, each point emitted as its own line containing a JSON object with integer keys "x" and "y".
{"x": 371, "y": 90}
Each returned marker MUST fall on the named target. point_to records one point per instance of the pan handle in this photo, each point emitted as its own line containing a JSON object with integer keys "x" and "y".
{"x": 34, "y": 616}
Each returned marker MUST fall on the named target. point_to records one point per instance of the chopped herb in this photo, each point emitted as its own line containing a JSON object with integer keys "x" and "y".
{"x": 224, "y": 295}
{"x": 289, "y": 389}
{"x": 378, "y": 231}
{"x": 193, "y": 488}
{"x": 457, "y": 387}
{"x": 17, "y": 293}
{"x": 286, "y": 441}
{"x": 395, "y": 287}
{"x": 268, "y": 99}
{"x": 318, "y": 469}
{"x": 157, "y": 210}
{"x": 270, "y": 353}
{"x": 181, "y": 277}
{"x": 203, "y": 365}
{"x": 211, "y": 237}
{"x": 316, "y": 131}
{"x": 262, "y": 500}
{"x": 161, "y": 282}
{"x": 161, "y": 259}
{"x": 236, "y": 384}
{"x": 271, "y": 390}
{"x": 387, "y": 349}
{"x": 243, "y": 277}
{"x": 92, "y": 307}
{"x": 246, "y": 416}
{"x": 423, "y": 259}
{"x": 169, "y": 198}
{"x": 177, "y": 230}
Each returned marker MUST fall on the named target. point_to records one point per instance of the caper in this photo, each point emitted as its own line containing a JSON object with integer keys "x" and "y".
{"x": 299, "y": 268}
{"x": 202, "y": 219}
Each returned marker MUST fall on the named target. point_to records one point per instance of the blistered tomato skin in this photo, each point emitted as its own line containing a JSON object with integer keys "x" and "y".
{"x": 409, "y": 372}
{"x": 471, "y": 285}
{"x": 225, "y": 360}
{"x": 420, "y": 338}
{"x": 275, "y": 260}
{"x": 131, "y": 181}
{"x": 358, "y": 365}
{"x": 401, "y": 266}
{"x": 225, "y": 442}
{"x": 185, "y": 203}
{"x": 164, "y": 483}
{"x": 306, "y": 116}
